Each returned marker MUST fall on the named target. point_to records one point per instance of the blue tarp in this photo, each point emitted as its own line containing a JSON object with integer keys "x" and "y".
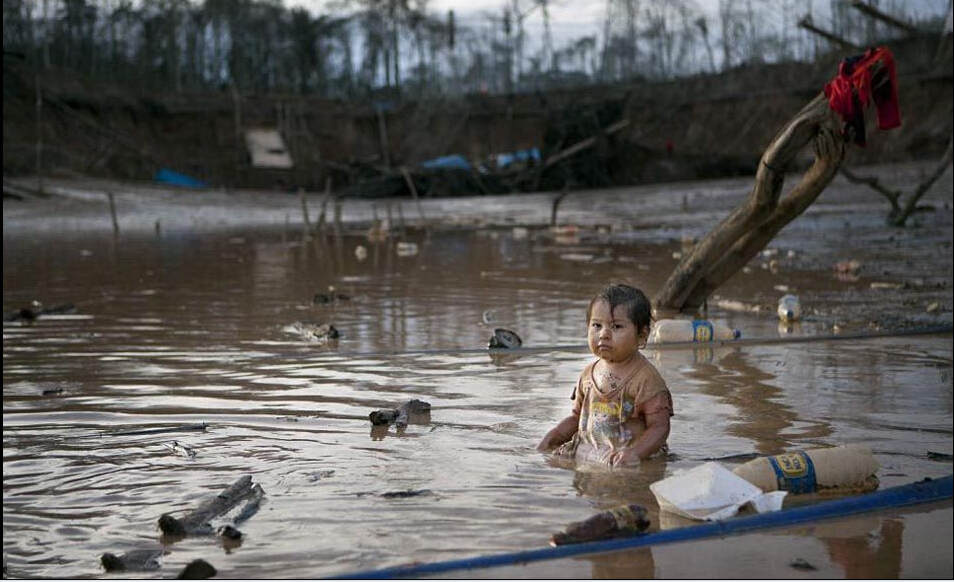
{"x": 451, "y": 162}
{"x": 504, "y": 160}
{"x": 167, "y": 176}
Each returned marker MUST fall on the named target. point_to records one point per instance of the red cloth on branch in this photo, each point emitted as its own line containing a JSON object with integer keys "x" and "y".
{"x": 857, "y": 84}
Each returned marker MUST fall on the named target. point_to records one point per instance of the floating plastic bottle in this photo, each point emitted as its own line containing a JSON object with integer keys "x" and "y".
{"x": 695, "y": 330}
{"x": 619, "y": 521}
{"x": 789, "y": 308}
{"x": 849, "y": 467}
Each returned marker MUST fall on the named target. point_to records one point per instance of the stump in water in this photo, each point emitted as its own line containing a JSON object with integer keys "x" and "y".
{"x": 750, "y": 227}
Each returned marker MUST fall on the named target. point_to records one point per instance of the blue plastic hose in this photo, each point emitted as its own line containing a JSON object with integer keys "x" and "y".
{"x": 927, "y": 491}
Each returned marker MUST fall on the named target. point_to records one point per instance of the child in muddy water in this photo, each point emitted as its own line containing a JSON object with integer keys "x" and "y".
{"x": 621, "y": 405}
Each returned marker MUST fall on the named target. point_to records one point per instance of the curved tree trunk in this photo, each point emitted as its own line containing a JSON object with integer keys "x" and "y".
{"x": 750, "y": 227}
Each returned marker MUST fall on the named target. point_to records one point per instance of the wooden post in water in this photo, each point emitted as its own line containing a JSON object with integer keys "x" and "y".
{"x": 413, "y": 189}
{"x": 338, "y": 228}
{"x": 304, "y": 209}
{"x": 112, "y": 212}
{"x": 383, "y": 134}
{"x": 39, "y": 137}
{"x": 320, "y": 223}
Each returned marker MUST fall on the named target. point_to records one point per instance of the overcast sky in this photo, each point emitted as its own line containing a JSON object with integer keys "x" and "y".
{"x": 572, "y": 19}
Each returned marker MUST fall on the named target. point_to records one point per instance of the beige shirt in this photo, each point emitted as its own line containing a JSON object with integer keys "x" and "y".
{"x": 617, "y": 419}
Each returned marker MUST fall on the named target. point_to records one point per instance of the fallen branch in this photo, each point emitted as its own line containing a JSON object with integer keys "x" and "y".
{"x": 584, "y": 144}
{"x": 197, "y": 522}
{"x": 807, "y": 24}
{"x": 891, "y": 195}
{"x": 898, "y": 216}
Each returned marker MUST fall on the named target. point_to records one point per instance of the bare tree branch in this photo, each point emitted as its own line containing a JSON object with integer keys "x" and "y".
{"x": 741, "y": 235}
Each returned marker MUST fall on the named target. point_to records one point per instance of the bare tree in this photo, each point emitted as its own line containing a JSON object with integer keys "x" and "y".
{"x": 752, "y": 225}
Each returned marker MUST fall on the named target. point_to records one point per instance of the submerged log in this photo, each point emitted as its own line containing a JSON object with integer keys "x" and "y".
{"x": 197, "y": 522}
{"x": 753, "y": 224}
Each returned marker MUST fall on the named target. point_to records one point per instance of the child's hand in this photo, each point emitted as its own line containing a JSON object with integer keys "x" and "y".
{"x": 621, "y": 458}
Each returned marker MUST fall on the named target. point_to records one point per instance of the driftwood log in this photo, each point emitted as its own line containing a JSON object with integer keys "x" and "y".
{"x": 198, "y": 521}
{"x": 752, "y": 225}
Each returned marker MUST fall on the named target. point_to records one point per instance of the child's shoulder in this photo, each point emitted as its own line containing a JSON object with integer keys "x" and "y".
{"x": 648, "y": 373}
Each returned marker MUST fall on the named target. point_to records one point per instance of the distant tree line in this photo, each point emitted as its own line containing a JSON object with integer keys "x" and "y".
{"x": 368, "y": 46}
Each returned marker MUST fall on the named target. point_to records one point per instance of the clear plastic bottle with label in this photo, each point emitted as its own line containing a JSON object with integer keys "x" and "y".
{"x": 846, "y": 467}
{"x": 691, "y": 330}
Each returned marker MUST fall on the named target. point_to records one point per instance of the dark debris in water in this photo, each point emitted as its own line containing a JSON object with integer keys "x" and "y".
{"x": 403, "y": 494}
{"x": 400, "y": 414}
{"x": 134, "y": 560}
{"x": 36, "y": 310}
{"x": 940, "y": 456}
{"x": 504, "y": 339}
{"x": 319, "y": 475}
{"x": 330, "y": 297}
{"x": 230, "y": 532}
{"x": 802, "y": 564}
{"x": 197, "y": 570}
{"x": 736, "y": 457}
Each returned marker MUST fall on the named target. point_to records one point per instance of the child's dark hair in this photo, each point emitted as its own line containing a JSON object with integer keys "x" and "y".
{"x": 638, "y": 307}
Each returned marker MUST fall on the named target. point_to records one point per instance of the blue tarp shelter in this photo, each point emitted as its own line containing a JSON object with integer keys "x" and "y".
{"x": 170, "y": 178}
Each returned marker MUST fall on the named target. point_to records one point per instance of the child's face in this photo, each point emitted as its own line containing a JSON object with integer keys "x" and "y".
{"x": 612, "y": 336}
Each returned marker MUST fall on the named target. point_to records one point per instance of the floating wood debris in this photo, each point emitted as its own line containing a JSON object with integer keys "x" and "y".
{"x": 131, "y": 561}
{"x": 197, "y": 522}
{"x": 399, "y": 416}
{"x": 616, "y": 522}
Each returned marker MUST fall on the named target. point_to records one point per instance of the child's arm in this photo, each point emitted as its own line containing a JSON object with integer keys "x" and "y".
{"x": 561, "y": 433}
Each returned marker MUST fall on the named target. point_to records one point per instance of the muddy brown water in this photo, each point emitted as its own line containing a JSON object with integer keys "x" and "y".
{"x": 184, "y": 325}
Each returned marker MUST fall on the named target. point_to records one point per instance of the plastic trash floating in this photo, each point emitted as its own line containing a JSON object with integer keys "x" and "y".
{"x": 711, "y": 492}
{"x": 695, "y": 330}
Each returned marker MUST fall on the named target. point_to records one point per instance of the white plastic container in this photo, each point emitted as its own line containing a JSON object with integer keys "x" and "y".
{"x": 691, "y": 330}
{"x": 711, "y": 492}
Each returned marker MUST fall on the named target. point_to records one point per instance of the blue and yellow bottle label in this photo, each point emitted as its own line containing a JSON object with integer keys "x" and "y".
{"x": 794, "y": 472}
{"x": 702, "y": 330}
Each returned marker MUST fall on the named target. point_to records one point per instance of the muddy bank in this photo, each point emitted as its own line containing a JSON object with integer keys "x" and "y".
{"x": 705, "y": 126}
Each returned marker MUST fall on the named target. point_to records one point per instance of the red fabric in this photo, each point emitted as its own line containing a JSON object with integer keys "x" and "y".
{"x": 851, "y": 90}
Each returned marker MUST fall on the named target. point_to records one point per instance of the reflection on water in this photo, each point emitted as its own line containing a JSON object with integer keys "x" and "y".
{"x": 176, "y": 331}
